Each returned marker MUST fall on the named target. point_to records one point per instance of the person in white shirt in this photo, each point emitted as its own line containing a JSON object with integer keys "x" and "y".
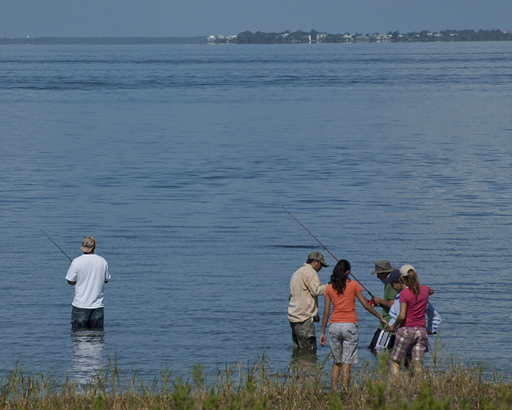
{"x": 88, "y": 273}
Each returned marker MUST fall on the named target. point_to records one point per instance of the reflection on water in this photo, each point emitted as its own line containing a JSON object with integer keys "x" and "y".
{"x": 88, "y": 354}
{"x": 306, "y": 360}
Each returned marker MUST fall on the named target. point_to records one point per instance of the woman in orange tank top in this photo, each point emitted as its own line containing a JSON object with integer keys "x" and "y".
{"x": 342, "y": 292}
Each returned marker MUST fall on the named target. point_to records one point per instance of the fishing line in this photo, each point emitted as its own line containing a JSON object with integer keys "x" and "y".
{"x": 57, "y": 245}
{"x": 370, "y": 293}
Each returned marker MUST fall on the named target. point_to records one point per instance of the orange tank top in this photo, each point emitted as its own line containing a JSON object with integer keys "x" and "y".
{"x": 343, "y": 305}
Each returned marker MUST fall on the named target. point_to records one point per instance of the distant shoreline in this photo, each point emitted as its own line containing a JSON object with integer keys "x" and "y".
{"x": 285, "y": 37}
{"x": 103, "y": 40}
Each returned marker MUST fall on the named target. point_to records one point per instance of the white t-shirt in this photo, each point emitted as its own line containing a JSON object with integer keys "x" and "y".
{"x": 90, "y": 272}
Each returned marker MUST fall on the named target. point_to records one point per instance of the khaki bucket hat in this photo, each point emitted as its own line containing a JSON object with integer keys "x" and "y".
{"x": 383, "y": 267}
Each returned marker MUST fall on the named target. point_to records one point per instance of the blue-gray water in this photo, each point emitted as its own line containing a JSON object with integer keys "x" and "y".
{"x": 177, "y": 159}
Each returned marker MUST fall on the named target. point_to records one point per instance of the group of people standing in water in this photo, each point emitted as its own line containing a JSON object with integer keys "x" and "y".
{"x": 403, "y": 324}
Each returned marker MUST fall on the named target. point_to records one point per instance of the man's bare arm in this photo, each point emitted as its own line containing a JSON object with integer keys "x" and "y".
{"x": 383, "y": 303}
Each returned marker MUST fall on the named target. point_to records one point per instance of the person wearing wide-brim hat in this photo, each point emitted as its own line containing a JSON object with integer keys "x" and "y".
{"x": 305, "y": 287}
{"x": 381, "y": 338}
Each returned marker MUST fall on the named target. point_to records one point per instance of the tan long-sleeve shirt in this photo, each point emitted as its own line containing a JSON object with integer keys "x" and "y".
{"x": 305, "y": 287}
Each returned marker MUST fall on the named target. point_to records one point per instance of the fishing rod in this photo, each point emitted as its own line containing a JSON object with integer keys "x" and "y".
{"x": 56, "y": 245}
{"x": 323, "y": 246}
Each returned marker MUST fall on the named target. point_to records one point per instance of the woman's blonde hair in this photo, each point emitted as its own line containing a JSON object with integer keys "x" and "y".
{"x": 412, "y": 282}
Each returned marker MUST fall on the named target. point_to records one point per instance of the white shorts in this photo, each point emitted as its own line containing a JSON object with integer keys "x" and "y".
{"x": 343, "y": 341}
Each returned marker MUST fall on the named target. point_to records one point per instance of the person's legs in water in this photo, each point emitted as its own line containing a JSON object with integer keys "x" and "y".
{"x": 96, "y": 319}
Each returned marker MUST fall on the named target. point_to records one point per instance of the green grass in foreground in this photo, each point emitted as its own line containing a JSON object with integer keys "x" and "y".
{"x": 459, "y": 386}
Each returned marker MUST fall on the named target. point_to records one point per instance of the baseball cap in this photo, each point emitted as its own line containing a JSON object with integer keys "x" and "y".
{"x": 404, "y": 270}
{"x": 317, "y": 256}
{"x": 88, "y": 244}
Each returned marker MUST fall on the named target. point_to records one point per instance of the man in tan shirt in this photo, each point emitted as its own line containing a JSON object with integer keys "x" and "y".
{"x": 305, "y": 287}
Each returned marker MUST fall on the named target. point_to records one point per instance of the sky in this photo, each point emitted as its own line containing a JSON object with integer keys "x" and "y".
{"x": 186, "y": 18}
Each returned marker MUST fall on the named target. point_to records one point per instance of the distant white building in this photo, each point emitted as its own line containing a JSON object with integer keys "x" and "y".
{"x": 320, "y": 37}
{"x": 385, "y": 38}
{"x": 211, "y": 39}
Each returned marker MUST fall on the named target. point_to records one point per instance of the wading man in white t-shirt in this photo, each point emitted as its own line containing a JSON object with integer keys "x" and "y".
{"x": 88, "y": 273}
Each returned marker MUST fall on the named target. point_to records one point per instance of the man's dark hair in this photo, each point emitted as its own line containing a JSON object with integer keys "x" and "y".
{"x": 310, "y": 261}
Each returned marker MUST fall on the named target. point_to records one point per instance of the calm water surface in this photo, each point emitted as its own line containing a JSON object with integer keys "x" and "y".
{"x": 177, "y": 159}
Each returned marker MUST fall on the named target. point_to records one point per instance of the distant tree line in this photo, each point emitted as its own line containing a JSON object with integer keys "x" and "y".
{"x": 313, "y": 36}
{"x": 274, "y": 38}
{"x": 285, "y": 37}
{"x": 454, "y": 35}
{"x": 472, "y": 35}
